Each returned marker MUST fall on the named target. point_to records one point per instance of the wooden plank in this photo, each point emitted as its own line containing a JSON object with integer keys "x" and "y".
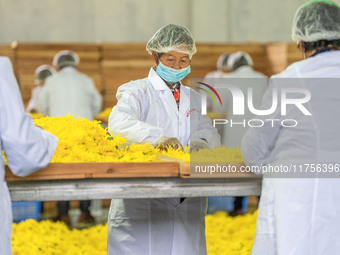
{"x": 59, "y": 171}
{"x": 39, "y": 54}
{"x": 277, "y": 57}
{"x": 58, "y": 46}
{"x": 129, "y": 63}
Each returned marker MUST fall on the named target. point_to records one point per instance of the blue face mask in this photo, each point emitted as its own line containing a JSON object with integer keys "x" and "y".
{"x": 172, "y": 75}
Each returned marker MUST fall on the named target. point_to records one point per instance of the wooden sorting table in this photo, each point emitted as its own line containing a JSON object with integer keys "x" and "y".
{"x": 83, "y": 181}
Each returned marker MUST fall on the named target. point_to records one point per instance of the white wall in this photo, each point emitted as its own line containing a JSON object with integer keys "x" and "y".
{"x": 137, "y": 20}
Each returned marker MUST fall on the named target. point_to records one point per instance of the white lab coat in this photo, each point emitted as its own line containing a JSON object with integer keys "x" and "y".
{"x": 243, "y": 78}
{"x": 299, "y": 216}
{"x": 69, "y": 91}
{"x": 146, "y": 109}
{"x": 27, "y": 147}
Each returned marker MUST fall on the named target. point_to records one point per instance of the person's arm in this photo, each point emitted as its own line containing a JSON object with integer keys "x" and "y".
{"x": 125, "y": 117}
{"x": 258, "y": 142}
{"x": 27, "y": 147}
{"x": 206, "y": 133}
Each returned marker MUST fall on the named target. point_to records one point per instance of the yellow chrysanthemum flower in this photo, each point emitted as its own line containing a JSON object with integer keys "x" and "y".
{"x": 225, "y": 235}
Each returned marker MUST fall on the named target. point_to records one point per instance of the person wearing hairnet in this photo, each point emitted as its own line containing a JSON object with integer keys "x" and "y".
{"x": 300, "y": 215}
{"x": 27, "y": 148}
{"x": 40, "y": 74}
{"x": 243, "y": 76}
{"x": 222, "y": 67}
{"x": 70, "y": 91}
{"x": 160, "y": 110}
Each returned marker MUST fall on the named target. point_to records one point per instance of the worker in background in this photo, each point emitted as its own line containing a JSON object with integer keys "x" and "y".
{"x": 70, "y": 91}
{"x": 157, "y": 109}
{"x": 243, "y": 76}
{"x": 40, "y": 74}
{"x": 27, "y": 148}
{"x": 222, "y": 67}
{"x": 299, "y": 212}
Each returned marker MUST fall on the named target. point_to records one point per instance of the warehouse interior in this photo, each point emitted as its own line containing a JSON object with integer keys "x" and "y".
{"x": 110, "y": 38}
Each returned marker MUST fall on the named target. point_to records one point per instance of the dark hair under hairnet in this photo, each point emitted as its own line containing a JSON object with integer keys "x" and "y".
{"x": 42, "y": 72}
{"x": 65, "y": 58}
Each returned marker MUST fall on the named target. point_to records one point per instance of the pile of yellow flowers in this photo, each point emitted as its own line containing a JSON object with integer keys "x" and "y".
{"x": 224, "y": 235}
{"x": 218, "y": 155}
{"x": 36, "y": 115}
{"x": 55, "y": 238}
{"x": 227, "y": 235}
{"x": 81, "y": 140}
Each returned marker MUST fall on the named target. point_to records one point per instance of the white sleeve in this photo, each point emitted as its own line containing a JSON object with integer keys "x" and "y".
{"x": 207, "y": 132}
{"x": 125, "y": 117}
{"x": 258, "y": 142}
{"x": 27, "y": 147}
{"x": 205, "y": 129}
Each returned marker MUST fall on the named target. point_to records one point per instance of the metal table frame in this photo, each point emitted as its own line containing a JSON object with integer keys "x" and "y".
{"x": 85, "y": 189}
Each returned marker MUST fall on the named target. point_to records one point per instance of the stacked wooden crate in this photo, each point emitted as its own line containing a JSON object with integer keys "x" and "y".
{"x": 205, "y": 59}
{"x": 8, "y": 50}
{"x": 31, "y": 55}
{"x": 293, "y": 53}
{"x": 281, "y": 55}
{"x": 113, "y": 64}
{"x": 125, "y": 62}
{"x": 277, "y": 57}
{"x": 122, "y": 63}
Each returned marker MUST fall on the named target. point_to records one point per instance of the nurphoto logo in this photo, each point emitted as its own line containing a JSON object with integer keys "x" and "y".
{"x": 243, "y": 104}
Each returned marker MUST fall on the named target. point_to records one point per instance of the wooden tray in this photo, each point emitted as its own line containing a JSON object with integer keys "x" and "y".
{"x": 59, "y": 171}
{"x": 169, "y": 167}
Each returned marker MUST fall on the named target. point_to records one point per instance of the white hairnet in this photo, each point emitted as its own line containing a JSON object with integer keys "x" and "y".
{"x": 238, "y": 59}
{"x": 222, "y": 61}
{"x": 42, "y": 72}
{"x": 316, "y": 20}
{"x": 172, "y": 38}
{"x": 65, "y": 58}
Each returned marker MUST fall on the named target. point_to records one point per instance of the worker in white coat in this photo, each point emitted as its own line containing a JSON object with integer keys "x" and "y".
{"x": 160, "y": 110}
{"x": 69, "y": 91}
{"x": 299, "y": 215}
{"x": 243, "y": 77}
{"x": 40, "y": 74}
{"x": 27, "y": 148}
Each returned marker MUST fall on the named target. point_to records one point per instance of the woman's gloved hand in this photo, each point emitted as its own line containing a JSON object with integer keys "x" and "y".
{"x": 197, "y": 144}
{"x": 163, "y": 142}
